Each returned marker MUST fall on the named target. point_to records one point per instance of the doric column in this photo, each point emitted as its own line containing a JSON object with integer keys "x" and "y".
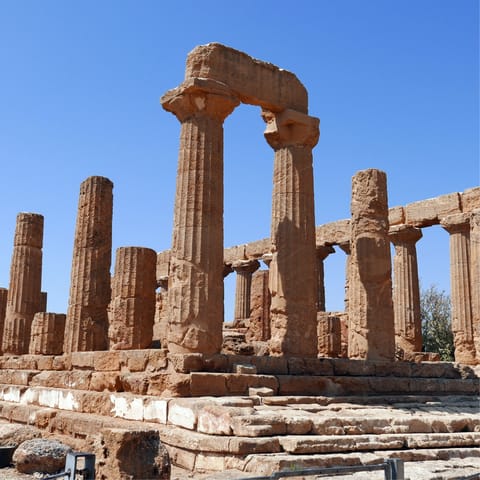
{"x": 86, "y": 326}
{"x": 329, "y": 334}
{"x": 406, "y": 291}
{"x": 371, "y": 334}
{"x": 475, "y": 277}
{"x": 458, "y": 226}
{"x": 195, "y": 293}
{"x": 132, "y": 308}
{"x": 47, "y": 334}
{"x": 244, "y": 270}
{"x": 293, "y": 283}
{"x": 345, "y": 246}
{"x": 322, "y": 251}
{"x": 24, "y": 298}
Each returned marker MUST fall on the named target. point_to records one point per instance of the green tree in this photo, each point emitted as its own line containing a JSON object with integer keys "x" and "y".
{"x": 435, "y": 313}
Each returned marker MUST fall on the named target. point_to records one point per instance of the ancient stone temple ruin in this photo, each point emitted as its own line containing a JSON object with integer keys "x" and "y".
{"x": 145, "y": 348}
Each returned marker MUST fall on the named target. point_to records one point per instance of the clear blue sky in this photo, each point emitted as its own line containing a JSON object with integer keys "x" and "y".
{"x": 395, "y": 84}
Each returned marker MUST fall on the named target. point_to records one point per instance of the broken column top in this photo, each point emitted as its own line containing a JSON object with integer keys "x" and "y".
{"x": 369, "y": 193}
{"x": 29, "y": 230}
{"x": 252, "y": 81}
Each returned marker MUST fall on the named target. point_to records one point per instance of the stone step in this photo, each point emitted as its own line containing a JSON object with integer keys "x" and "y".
{"x": 249, "y": 417}
{"x": 266, "y": 464}
{"x": 261, "y": 455}
{"x": 222, "y": 384}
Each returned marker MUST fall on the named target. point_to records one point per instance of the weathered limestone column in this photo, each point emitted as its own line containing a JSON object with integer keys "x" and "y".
{"x": 406, "y": 291}
{"x": 244, "y": 270}
{"x": 329, "y": 335}
{"x": 293, "y": 283}
{"x": 24, "y": 297}
{"x": 322, "y": 251}
{"x": 475, "y": 277}
{"x": 195, "y": 293}
{"x": 258, "y": 326}
{"x": 345, "y": 246}
{"x": 371, "y": 334}
{"x": 86, "y": 326}
{"x": 3, "y": 307}
{"x": 132, "y": 308}
{"x": 47, "y": 334}
{"x": 458, "y": 226}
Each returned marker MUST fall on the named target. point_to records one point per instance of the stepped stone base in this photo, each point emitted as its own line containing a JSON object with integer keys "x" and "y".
{"x": 251, "y": 414}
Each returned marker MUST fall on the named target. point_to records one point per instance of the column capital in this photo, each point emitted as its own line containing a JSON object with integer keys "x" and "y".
{"x": 457, "y": 223}
{"x": 400, "y": 234}
{"x": 200, "y": 97}
{"x": 246, "y": 266}
{"x": 323, "y": 251}
{"x": 290, "y": 128}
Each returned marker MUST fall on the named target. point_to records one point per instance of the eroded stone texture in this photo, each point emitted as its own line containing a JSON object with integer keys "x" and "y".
{"x": 333, "y": 233}
{"x": 458, "y": 226}
{"x": 160, "y": 322}
{"x": 87, "y": 321}
{"x": 293, "y": 135}
{"x": 196, "y": 266}
{"x": 3, "y": 307}
{"x": 128, "y": 454}
{"x": 47, "y": 334}
{"x": 244, "y": 270}
{"x": 322, "y": 253}
{"x": 406, "y": 291}
{"x": 258, "y": 327}
{"x": 475, "y": 277}
{"x": 329, "y": 335}
{"x": 132, "y": 308}
{"x": 471, "y": 200}
{"x": 430, "y": 211}
{"x": 24, "y": 292}
{"x": 252, "y": 81}
{"x": 370, "y": 312}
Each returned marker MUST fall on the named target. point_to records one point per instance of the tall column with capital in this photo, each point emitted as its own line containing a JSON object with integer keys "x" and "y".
{"x": 86, "y": 327}
{"x": 244, "y": 270}
{"x": 293, "y": 283}
{"x": 458, "y": 226}
{"x": 371, "y": 334}
{"x": 406, "y": 291}
{"x": 195, "y": 292}
{"x": 475, "y": 277}
{"x": 24, "y": 291}
{"x": 322, "y": 251}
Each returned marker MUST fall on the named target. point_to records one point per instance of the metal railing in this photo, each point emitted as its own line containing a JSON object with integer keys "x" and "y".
{"x": 393, "y": 469}
{"x": 78, "y": 465}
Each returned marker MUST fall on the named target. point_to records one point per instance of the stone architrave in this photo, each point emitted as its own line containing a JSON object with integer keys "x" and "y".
{"x": 195, "y": 293}
{"x": 370, "y": 313}
{"x": 3, "y": 307}
{"x": 322, "y": 251}
{"x": 329, "y": 331}
{"x": 258, "y": 327}
{"x": 47, "y": 334}
{"x": 293, "y": 282}
{"x": 132, "y": 308}
{"x": 458, "y": 226}
{"x": 244, "y": 270}
{"x": 475, "y": 277}
{"x": 406, "y": 291}
{"x": 345, "y": 246}
{"x": 24, "y": 297}
{"x": 86, "y": 326}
